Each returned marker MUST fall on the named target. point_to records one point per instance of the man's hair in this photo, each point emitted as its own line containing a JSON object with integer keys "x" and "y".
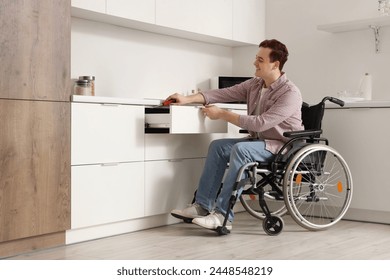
{"x": 279, "y": 51}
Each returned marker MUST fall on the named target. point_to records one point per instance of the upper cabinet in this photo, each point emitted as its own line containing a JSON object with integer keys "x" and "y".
{"x": 141, "y": 10}
{"x": 90, "y": 5}
{"x": 223, "y": 22}
{"x": 35, "y": 61}
{"x": 248, "y": 21}
{"x": 212, "y": 18}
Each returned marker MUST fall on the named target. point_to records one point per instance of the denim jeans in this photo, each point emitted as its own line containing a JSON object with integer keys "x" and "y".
{"x": 236, "y": 152}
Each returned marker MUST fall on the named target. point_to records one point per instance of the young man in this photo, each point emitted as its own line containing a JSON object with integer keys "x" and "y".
{"x": 274, "y": 107}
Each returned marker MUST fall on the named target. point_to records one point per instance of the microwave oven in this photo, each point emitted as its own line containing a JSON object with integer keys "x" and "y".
{"x": 226, "y": 81}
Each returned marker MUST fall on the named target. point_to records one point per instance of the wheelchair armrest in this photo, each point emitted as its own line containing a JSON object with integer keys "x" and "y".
{"x": 302, "y": 133}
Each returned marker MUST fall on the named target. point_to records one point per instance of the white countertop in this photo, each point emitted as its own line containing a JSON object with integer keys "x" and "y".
{"x": 157, "y": 102}
{"x": 115, "y": 100}
{"x": 361, "y": 104}
{"x": 141, "y": 101}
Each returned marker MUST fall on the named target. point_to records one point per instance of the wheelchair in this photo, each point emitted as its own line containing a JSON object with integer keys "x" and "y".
{"x": 307, "y": 179}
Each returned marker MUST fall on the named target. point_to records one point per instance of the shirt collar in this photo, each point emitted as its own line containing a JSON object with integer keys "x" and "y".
{"x": 280, "y": 81}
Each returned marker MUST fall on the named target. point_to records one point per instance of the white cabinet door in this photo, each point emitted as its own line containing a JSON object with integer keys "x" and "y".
{"x": 249, "y": 21}
{"x": 140, "y": 10}
{"x": 106, "y": 193}
{"x": 170, "y": 184}
{"x": 168, "y": 146}
{"x": 361, "y": 136}
{"x": 190, "y": 119}
{"x": 107, "y": 133}
{"x": 91, "y": 5}
{"x": 212, "y": 18}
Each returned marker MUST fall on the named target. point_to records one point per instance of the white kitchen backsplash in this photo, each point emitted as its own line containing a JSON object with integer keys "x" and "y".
{"x": 136, "y": 64}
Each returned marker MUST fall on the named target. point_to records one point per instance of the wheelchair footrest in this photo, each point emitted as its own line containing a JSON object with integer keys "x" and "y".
{"x": 222, "y": 231}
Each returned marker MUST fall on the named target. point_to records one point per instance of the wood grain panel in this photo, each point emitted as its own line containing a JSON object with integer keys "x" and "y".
{"x": 34, "y": 168}
{"x": 26, "y": 245}
{"x": 35, "y": 49}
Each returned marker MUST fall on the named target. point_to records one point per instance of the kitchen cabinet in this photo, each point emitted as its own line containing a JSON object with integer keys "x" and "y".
{"x": 248, "y": 21}
{"x": 170, "y": 184}
{"x": 90, "y": 5}
{"x": 35, "y": 122}
{"x": 179, "y": 146}
{"x": 105, "y": 133}
{"x": 361, "y": 137}
{"x": 140, "y": 10}
{"x": 35, "y": 50}
{"x": 202, "y": 16}
{"x": 35, "y": 169}
{"x": 173, "y": 166}
{"x": 123, "y": 179}
{"x": 223, "y": 22}
{"x": 107, "y": 193}
{"x": 107, "y": 163}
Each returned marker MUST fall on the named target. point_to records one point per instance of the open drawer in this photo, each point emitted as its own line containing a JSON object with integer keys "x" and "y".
{"x": 177, "y": 119}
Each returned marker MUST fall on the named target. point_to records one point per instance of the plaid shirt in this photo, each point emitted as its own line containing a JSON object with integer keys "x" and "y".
{"x": 280, "y": 109}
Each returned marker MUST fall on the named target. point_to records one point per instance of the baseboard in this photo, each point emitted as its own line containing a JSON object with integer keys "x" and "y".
{"x": 365, "y": 215}
{"x": 122, "y": 227}
{"x": 25, "y": 245}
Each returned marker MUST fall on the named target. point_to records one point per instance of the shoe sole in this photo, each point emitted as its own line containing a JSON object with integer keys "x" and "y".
{"x": 185, "y": 219}
{"x": 212, "y": 228}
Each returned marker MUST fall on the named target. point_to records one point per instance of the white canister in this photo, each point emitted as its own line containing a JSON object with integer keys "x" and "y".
{"x": 365, "y": 88}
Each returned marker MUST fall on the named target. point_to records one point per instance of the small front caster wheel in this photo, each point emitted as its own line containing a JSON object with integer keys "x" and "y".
{"x": 222, "y": 231}
{"x": 273, "y": 225}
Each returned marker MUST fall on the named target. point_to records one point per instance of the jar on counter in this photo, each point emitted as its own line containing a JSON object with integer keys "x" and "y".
{"x": 91, "y": 80}
{"x": 82, "y": 87}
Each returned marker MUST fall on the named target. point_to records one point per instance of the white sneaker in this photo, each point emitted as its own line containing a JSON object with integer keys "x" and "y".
{"x": 191, "y": 212}
{"x": 212, "y": 221}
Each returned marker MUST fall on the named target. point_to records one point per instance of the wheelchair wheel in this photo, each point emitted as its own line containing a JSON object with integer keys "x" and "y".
{"x": 273, "y": 225}
{"x": 317, "y": 186}
{"x": 251, "y": 204}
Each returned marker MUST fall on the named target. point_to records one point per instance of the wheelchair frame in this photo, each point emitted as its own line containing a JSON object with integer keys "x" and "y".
{"x": 308, "y": 179}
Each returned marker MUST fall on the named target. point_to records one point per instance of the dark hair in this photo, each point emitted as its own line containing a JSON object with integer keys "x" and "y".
{"x": 279, "y": 51}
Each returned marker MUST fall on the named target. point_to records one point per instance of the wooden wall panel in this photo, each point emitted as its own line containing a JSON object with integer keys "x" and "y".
{"x": 35, "y": 49}
{"x": 34, "y": 168}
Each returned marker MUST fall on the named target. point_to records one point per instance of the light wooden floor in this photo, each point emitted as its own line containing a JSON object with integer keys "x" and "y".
{"x": 347, "y": 240}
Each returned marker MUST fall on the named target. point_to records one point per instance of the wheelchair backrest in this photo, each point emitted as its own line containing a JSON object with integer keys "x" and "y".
{"x": 312, "y": 115}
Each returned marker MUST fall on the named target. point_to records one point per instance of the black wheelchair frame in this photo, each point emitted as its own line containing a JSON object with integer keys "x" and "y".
{"x": 310, "y": 179}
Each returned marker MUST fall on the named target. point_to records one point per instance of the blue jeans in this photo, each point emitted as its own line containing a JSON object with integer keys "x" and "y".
{"x": 236, "y": 152}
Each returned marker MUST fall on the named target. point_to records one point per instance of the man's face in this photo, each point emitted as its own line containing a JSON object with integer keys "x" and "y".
{"x": 262, "y": 63}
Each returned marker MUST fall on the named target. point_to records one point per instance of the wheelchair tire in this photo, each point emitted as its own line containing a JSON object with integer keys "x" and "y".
{"x": 273, "y": 225}
{"x": 317, "y": 187}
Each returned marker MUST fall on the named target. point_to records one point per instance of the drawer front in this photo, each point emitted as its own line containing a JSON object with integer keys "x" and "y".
{"x": 170, "y": 184}
{"x": 183, "y": 120}
{"x": 107, "y": 133}
{"x": 106, "y": 193}
{"x": 190, "y": 119}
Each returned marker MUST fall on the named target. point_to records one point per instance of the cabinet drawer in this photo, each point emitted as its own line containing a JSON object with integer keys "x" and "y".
{"x": 181, "y": 120}
{"x": 170, "y": 184}
{"x": 103, "y": 133}
{"x": 106, "y": 193}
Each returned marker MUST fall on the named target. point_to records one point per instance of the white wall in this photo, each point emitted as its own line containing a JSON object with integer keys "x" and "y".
{"x": 322, "y": 63}
{"x": 131, "y": 63}
{"x": 136, "y": 64}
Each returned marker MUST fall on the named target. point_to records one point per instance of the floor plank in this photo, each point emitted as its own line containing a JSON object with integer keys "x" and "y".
{"x": 347, "y": 240}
